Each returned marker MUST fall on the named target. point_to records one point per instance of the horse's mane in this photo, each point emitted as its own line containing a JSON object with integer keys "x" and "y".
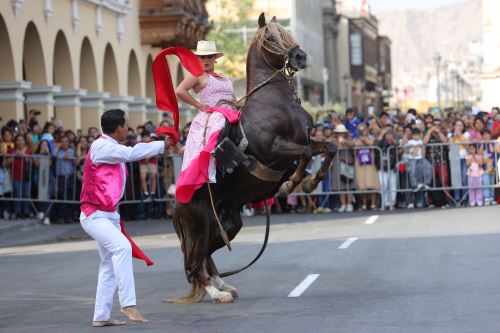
{"x": 274, "y": 39}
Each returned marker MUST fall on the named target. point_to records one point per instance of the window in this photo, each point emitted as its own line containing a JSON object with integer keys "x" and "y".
{"x": 356, "y": 49}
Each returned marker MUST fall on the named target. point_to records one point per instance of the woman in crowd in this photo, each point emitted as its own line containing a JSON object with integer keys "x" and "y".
{"x": 43, "y": 178}
{"x": 489, "y": 151}
{"x": 366, "y": 174}
{"x": 459, "y": 137}
{"x": 475, "y": 134}
{"x": 343, "y": 167}
{"x": 20, "y": 166}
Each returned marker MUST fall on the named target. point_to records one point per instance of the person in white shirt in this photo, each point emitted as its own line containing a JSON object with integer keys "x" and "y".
{"x": 103, "y": 184}
{"x": 418, "y": 172}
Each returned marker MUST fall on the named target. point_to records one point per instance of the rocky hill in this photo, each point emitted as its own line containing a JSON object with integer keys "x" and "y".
{"x": 416, "y": 34}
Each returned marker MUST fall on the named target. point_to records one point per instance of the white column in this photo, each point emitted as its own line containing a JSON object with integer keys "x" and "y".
{"x": 92, "y": 107}
{"x": 137, "y": 111}
{"x": 68, "y": 107}
{"x": 11, "y": 100}
{"x": 42, "y": 98}
{"x": 118, "y": 102}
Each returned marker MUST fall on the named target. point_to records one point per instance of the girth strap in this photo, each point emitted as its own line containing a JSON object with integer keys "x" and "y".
{"x": 266, "y": 174}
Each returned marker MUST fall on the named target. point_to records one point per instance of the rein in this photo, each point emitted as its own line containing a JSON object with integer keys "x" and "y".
{"x": 266, "y": 238}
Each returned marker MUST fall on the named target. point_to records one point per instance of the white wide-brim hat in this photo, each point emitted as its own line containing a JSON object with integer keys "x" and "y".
{"x": 207, "y": 47}
{"x": 340, "y": 129}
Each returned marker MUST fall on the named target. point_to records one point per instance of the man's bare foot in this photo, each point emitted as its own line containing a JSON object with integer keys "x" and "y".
{"x": 109, "y": 322}
{"x": 133, "y": 314}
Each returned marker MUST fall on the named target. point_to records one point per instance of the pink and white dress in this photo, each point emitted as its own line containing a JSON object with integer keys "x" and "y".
{"x": 198, "y": 165}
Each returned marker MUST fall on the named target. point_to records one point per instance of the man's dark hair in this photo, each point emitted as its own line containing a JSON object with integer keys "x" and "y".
{"x": 413, "y": 112}
{"x": 349, "y": 110}
{"x": 415, "y": 131}
{"x": 111, "y": 119}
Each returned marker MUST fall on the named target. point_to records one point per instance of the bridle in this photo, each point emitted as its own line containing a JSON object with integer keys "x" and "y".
{"x": 288, "y": 71}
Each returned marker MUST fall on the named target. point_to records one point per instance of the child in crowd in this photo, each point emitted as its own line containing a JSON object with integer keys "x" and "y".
{"x": 489, "y": 152}
{"x": 475, "y": 174}
{"x": 149, "y": 169}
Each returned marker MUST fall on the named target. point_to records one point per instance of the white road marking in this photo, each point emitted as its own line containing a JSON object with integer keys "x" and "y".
{"x": 371, "y": 219}
{"x": 303, "y": 285}
{"x": 348, "y": 242}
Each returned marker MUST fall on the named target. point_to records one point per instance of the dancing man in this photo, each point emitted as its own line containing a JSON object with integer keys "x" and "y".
{"x": 104, "y": 177}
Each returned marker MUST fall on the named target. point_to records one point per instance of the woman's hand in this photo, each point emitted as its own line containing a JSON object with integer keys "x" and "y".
{"x": 203, "y": 107}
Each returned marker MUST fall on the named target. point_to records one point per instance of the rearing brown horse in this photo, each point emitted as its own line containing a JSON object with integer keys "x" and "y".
{"x": 278, "y": 132}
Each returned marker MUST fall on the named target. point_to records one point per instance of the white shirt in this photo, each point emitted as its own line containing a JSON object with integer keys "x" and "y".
{"x": 107, "y": 150}
{"x": 415, "y": 150}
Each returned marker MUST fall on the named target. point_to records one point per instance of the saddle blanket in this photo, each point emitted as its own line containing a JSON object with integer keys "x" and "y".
{"x": 198, "y": 165}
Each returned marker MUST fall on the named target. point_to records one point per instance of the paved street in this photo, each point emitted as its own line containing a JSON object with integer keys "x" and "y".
{"x": 424, "y": 271}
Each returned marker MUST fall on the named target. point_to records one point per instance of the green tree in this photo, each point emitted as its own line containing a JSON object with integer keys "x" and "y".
{"x": 235, "y": 13}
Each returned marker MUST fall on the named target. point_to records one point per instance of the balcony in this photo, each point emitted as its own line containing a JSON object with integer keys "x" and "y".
{"x": 166, "y": 23}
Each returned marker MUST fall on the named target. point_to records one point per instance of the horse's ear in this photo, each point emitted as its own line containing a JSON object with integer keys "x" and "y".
{"x": 274, "y": 20}
{"x": 262, "y": 20}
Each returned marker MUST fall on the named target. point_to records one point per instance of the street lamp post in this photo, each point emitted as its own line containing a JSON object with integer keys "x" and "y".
{"x": 446, "y": 84}
{"x": 437, "y": 61}
{"x": 346, "y": 80}
{"x": 324, "y": 74}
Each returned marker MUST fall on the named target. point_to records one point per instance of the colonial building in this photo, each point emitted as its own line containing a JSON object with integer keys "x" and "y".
{"x": 363, "y": 62}
{"x": 73, "y": 59}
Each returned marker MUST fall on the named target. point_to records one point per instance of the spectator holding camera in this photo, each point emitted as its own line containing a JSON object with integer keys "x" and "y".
{"x": 437, "y": 154}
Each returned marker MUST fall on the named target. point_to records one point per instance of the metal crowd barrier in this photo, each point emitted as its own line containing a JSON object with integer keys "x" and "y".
{"x": 49, "y": 186}
{"x": 46, "y": 186}
{"x": 443, "y": 170}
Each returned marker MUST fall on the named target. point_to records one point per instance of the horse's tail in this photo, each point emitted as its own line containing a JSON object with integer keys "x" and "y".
{"x": 195, "y": 295}
{"x": 187, "y": 245}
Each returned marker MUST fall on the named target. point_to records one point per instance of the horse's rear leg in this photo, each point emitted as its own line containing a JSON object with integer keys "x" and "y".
{"x": 216, "y": 280}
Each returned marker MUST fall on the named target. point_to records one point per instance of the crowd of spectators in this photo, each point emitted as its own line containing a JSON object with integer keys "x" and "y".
{"x": 41, "y": 169}
{"x": 438, "y": 158}
{"x": 405, "y": 160}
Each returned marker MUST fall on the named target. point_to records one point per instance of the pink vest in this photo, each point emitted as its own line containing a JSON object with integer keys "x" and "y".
{"x": 102, "y": 186}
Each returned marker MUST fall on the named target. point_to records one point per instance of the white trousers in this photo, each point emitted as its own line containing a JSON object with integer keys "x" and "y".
{"x": 115, "y": 270}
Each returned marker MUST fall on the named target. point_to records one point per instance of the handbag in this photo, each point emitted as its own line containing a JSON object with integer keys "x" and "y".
{"x": 346, "y": 170}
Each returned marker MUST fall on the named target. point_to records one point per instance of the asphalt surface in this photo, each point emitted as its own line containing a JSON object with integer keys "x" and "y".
{"x": 424, "y": 271}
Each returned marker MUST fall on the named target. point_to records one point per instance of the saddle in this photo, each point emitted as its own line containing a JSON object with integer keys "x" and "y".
{"x": 228, "y": 155}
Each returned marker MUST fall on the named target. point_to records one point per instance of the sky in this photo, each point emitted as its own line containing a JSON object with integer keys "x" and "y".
{"x": 384, "y": 5}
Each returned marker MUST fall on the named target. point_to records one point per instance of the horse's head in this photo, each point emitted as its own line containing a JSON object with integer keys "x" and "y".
{"x": 278, "y": 47}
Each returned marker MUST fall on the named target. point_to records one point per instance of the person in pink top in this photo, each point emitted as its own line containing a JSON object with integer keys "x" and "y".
{"x": 215, "y": 94}
{"x": 103, "y": 184}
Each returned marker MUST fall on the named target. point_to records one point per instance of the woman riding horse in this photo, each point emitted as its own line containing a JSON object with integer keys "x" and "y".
{"x": 275, "y": 130}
